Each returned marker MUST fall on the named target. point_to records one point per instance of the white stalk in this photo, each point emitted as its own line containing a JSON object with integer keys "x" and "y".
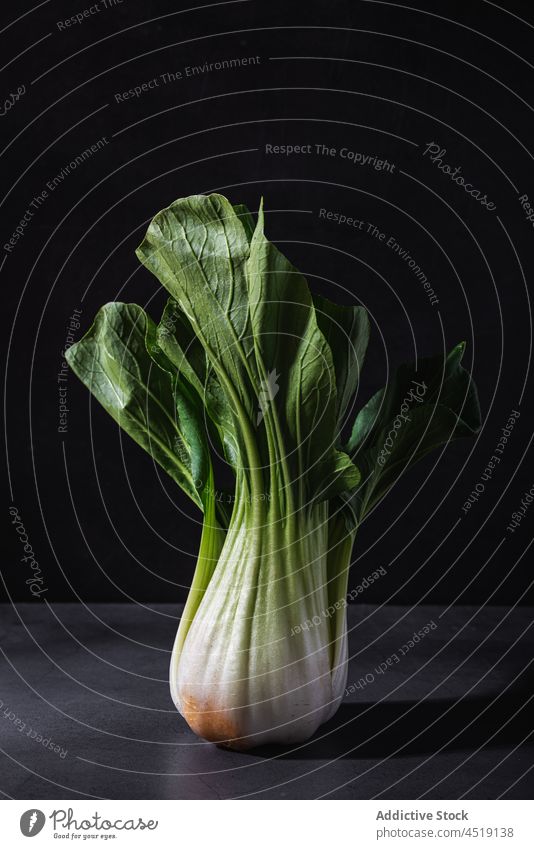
{"x": 251, "y": 670}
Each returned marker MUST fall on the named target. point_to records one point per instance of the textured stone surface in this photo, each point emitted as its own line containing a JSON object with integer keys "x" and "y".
{"x": 450, "y": 718}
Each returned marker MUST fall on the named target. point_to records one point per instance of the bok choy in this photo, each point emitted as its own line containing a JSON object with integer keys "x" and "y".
{"x": 248, "y": 369}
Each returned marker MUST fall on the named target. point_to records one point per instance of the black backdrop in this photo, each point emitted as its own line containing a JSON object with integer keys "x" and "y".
{"x": 371, "y": 78}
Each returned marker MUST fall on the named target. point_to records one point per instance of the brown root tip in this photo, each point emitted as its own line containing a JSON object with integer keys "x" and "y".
{"x": 213, "y": 724}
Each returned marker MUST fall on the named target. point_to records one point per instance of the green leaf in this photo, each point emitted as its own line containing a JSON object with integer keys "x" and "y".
{"x": 420, "y": 409}
{"x": 247, "y": 219}
{"x": 121, "y": 364}
{"x": 288, "y": 342}
{"x": 178, "y": 342}
{"x": 274, "y": 390}
{"x": 346, "y": 329}
{"x": 198, "y": 249}
{"x": 340, "y": 475}
{"x": 184, "y": 350}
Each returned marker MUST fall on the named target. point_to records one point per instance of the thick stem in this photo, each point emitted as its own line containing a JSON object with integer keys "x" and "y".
{"x": 340, "y": 544}
{"x": 255, "y": 666}
{"x": 211, "y": 545}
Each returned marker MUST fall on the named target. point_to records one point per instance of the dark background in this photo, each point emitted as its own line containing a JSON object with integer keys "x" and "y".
{"x": 104, "y": 523}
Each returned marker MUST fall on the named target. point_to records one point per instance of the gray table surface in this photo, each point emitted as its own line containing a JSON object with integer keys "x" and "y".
{"x": 85, "y": 711}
